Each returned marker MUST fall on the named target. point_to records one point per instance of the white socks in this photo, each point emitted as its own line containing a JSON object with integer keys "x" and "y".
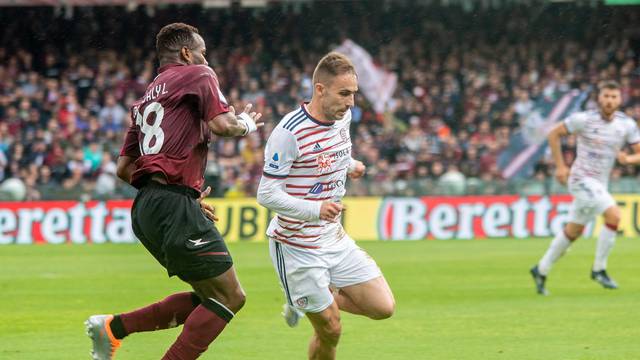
{"x": 603, "y": 247}
{"x": 558, "y": 246}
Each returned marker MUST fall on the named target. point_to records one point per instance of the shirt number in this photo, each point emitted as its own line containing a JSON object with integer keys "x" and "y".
{"x": 151, "y": 131}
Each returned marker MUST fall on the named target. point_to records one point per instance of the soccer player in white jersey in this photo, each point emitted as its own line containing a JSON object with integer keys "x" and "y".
{"x": 600, "y": 136}
{"x": 307, "y": 161}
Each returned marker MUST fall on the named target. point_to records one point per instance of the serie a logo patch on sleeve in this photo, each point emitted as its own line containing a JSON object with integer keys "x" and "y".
{"x": 274, "y": 164}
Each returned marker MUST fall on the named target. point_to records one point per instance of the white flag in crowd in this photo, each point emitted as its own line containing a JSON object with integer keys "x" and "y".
{"x": 376, "y": 84}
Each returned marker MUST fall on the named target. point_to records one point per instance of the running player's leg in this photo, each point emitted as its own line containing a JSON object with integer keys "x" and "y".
{"x": 605, "y": 242}
{"x": 607, "y": 237}
{"x": 362, "y": 289}
{"x": 372, "y": 299}
{"x": 327, "y": 330}
{"x": 106, "y": 331}
{"x": 559, "y": 245}
{"x": 150, "y": 215}
{"x": 170, "y": 312}
{"x": 345, "y": 303}
{"x": 304, "y": 279}
{"x": 199, "y": 256}
{"x": 583, "y": 209}
{"x": 221, "y": 298}
{"x": 557, "y": 248}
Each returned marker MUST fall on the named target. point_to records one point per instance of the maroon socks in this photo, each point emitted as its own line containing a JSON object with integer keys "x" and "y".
{"x": 203, "y": 325}
{"x": 168, "y": 313}
{"x": 203, "y": 322}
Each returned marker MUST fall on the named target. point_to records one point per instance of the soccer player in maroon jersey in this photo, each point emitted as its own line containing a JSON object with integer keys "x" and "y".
{"x": 164, "y": 156}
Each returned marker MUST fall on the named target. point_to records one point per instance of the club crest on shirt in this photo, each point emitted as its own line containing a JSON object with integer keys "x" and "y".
{"x": 302, "y": 302}
{"x": 344, "y": 135}
{"x": 324, "y": 163}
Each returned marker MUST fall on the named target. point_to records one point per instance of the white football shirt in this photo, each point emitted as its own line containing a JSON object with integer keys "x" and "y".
{"x": 598, "y": 143}
{"x": 309, "y": 161}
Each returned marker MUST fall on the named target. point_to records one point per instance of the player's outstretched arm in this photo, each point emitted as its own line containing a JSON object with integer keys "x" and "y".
{"x": 230, "y": 125}
{"x": 562, "y": 171}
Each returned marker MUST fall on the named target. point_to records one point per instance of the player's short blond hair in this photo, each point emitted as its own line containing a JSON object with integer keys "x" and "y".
{"x": 331, "y": 65}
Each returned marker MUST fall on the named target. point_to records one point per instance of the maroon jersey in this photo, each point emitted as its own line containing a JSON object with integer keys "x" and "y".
{"x": 169, "y": 132}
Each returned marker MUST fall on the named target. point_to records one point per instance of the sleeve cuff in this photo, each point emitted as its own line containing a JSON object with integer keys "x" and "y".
{"x": 273, "y": 176}
{"x": 352, "y": 165}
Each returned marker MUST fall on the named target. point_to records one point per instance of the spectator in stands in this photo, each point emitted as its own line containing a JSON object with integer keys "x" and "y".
{"x": 460, "y": 95}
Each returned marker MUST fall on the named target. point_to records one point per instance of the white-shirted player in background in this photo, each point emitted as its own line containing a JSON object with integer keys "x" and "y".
{"x": 601, "y": 134}
{"x": 307, "y": 160}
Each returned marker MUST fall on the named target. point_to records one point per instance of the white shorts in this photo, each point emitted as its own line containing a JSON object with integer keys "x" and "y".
{"x": 305, "y": 275}
{"x": 590, "y": 198}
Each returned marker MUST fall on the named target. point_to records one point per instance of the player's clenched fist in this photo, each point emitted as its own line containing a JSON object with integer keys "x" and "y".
{"x": 356, "y": 169}
{"x": 330, "y": 210}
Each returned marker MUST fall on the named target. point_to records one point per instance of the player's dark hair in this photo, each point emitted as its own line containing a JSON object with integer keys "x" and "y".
{"x": 173, "y": 37}
{"x": 332, "y": 64}
{"x": 609, "y": 85}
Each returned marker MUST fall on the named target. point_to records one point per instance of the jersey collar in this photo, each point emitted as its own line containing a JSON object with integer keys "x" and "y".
{"x": 323, "y": 123}
{"x": 168, "y": 66}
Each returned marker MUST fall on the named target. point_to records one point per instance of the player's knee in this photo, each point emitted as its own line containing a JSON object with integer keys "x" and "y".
{"x": 237, "y": 300}
{"x": 612, "y": 220}
{"x": 572, "y": 233}
{"x": 330, "y": 332}
{"x": 383, "y": 311}
{"x": 612, "y": 216}
{"x": 233, "y": 300}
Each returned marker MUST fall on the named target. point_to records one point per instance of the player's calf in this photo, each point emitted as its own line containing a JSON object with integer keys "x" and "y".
{"x": 202, "y": 327}
{"x": 327, "y": 333}
{"x": 325, "y": 341}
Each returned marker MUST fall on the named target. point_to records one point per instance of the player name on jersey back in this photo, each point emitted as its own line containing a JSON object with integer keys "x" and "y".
{"x": 169, "y": 132}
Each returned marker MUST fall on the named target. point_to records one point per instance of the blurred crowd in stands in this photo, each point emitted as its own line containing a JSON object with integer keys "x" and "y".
{"x": 467, "y": 81}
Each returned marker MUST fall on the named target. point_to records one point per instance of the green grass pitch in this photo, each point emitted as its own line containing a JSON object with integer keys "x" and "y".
{"x": 455, "y": 300}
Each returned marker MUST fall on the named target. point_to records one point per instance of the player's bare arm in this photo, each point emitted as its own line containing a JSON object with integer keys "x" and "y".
{"x": 230, "y": 125}
{"x": 630, "y": 159}
{"x": 126, "y": 167}
{"x": 562, "y": 171}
